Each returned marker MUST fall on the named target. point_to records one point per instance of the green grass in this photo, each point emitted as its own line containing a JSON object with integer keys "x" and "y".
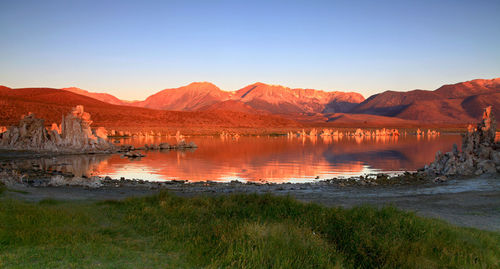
{"x": 250, "y": 231}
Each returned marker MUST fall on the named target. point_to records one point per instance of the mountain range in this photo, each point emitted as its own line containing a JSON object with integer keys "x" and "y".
{"x": 449, "y": 104}
{"x": 274, "y": 99}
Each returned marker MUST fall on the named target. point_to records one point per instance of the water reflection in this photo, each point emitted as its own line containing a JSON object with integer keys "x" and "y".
{"x": 78, "y": 165}
{"x": 273, "y": 159}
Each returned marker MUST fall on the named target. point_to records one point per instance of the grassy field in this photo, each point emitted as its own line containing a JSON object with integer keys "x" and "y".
{"x": 250, "y": 231}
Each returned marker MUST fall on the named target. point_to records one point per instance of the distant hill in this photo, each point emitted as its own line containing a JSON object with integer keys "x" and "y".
{"x": 105, "y": 97}
{"x": 187, "y": 98}
{"x": 469, "y": 88}
{"x": 391, "y": 103}
{"x": 461, "y": 102}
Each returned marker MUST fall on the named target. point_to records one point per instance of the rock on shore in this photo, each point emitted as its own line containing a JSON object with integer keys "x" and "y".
{"x": 75, "y": 136}
{"x": 480, "y": 153}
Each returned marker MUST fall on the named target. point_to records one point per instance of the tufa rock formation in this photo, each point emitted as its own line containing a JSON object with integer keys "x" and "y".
{"x": 30, "y": 134}
{"x": 480, "y": 154}
{"x": 74, "y": 135}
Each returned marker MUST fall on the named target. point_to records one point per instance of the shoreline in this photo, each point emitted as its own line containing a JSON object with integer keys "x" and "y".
{"x": 468, "y": 202}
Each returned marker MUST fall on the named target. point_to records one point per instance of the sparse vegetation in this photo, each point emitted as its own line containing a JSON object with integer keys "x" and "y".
{"x": 232, "y": 231}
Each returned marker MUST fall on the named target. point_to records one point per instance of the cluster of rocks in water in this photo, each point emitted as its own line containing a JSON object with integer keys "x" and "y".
{"x": 124, "y": 134}
{"x": 480, "y": 153}
{"x": 132, "y": 152}
{"x": 360, "y": 133}
{"x": 73, "y": 135}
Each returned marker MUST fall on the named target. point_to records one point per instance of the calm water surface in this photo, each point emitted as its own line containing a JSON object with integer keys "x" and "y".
{"x": 271, "y": 159}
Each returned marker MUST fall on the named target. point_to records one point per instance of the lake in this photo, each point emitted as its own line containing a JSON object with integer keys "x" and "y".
{"x": 263, "y": 159}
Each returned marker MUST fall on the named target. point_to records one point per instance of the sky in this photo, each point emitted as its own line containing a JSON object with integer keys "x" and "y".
{"x": 132, "y": 49}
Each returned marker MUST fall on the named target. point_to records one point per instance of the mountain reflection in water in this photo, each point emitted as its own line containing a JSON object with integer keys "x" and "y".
{"x": 272, "y": 159}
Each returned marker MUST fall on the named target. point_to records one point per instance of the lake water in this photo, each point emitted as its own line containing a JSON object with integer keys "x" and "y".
{"x": 264, "y": 159}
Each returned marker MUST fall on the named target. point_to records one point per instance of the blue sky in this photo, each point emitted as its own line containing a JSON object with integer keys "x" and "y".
{"x": 134, "y": 48}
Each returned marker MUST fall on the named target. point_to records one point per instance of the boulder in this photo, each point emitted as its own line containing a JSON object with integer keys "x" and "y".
{"x": 126, "y": 148}
{"x": 441, "y": 179}
{"x": 154, "y": 147}
{"x": 164, "y": 146}
{"x": 134, "y": 154}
